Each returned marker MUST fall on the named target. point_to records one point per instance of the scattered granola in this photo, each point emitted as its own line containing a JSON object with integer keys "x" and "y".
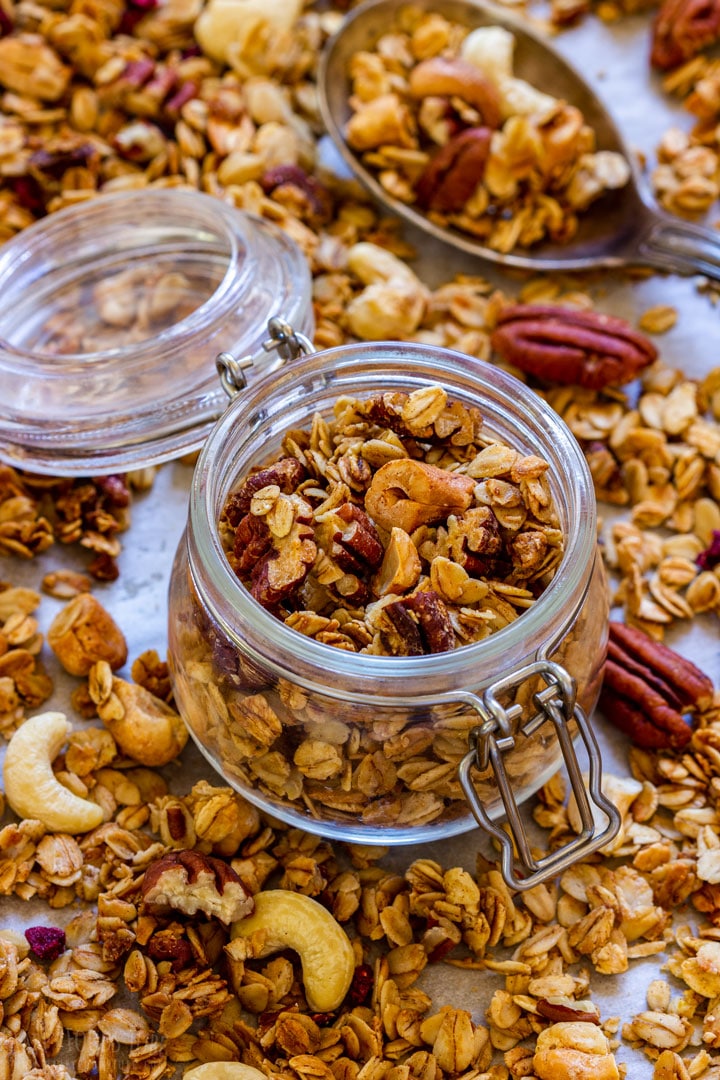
{"x": 36, "y": 511}
{"x": 24, "y": 684}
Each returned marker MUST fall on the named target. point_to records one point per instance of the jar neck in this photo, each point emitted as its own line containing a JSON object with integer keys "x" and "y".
{"x": 251, "y": 430}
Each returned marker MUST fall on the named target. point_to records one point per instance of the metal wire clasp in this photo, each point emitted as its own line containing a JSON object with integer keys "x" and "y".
{"x": 283, "y": 340}
{"x": 496, "y": 735}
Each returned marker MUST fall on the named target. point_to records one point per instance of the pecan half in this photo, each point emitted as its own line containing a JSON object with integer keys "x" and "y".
{"x": 562, "y": 1009}
{"x": 287, "y": 473}
{"x": 356, "y": 547}
{"x": 285, "y": 567}
{"x": 422, "y": 622}
{"x": 648, "y": 689}
{"x": 564, "y": 345}
{"x": 453, "y": 173}
{"x": 681, "y": 29}
{"x": 189, "y": 881}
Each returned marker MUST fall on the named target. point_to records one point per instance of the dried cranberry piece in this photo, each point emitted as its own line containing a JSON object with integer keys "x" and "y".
{"x": 710, "y": 557}
{"x": 115, "y": 489}
{"x": 361, "y": 985}
{"x": 47, "y": 942}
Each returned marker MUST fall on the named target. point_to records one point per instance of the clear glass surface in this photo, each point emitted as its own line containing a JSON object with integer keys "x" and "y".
{"x": 113, "y": 313}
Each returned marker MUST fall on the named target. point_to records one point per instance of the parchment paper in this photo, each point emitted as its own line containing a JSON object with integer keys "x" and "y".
{"x": 614, "y": 59}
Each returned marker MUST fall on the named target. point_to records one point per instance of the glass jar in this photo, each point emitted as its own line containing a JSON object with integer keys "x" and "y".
{"x": 478, "y": 729}
{"x": 113, "y": 311}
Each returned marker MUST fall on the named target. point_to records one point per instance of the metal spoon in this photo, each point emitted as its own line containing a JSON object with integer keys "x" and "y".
{"x": 619, "y": 229}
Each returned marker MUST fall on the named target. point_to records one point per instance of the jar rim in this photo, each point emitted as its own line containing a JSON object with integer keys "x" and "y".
{"x": 358, "y": 676}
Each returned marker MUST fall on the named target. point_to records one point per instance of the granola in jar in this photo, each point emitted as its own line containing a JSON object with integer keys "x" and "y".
{"x": 390, "y": 548}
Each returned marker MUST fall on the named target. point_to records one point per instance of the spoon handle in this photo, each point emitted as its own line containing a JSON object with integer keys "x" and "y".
{"x": 680, "y": 247}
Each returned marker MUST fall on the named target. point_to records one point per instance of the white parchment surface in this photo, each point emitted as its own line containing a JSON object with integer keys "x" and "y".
{"x": 614, "y": 60}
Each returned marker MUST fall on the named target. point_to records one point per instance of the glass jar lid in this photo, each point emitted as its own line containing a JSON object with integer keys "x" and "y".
{"x": 113, "y": 313}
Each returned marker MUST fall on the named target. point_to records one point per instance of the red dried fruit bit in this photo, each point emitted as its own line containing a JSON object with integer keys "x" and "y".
{"x": 6, "y": 23}
{"x": 710, "y": 557}
{"x": 55, "y": 162}
{"x": 115, "y": 489}
{"x": 28, "y": 193}
{"x": 361, "y": 985}
{"x": 681, "y": 29}
{"x": 185, "y": 92}
{"x": 136, "y": 72}
{"x": 47, "y": 942}
{"x": 564, "y": 345}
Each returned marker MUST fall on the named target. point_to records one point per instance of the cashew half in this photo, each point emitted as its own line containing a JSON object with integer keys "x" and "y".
{"x": 290, "y": 920}
{"x": 224, "y": 1070}
{"x": 490, "y": 48}
{"x": 31, "y": 787}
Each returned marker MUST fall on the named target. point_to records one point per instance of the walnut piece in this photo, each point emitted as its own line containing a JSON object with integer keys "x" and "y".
{"x": 189, "y": 881}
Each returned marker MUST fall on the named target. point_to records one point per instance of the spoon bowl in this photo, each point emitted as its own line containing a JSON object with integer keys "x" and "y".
{"x": 620, "y": 228}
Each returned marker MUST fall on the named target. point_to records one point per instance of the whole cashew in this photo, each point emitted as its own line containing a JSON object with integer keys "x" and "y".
{"x": 289, "y": 920}
{"x": 224, "y": 1070}
{"x": 407, "y": 493}
{"x": 490, "y": 49}
{"x": 32, "y": 788}
{"x": 241, "y": 27}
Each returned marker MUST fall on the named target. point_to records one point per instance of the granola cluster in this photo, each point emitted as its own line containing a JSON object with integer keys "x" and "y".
{"x": 443, "y": 123}
{"x": 395, "y": 527}
{"x": 38, "y": 511}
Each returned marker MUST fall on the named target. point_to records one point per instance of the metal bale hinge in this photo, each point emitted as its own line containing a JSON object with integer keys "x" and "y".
{"x": 283, "y": 340}
{"x": 496, "y": 735}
